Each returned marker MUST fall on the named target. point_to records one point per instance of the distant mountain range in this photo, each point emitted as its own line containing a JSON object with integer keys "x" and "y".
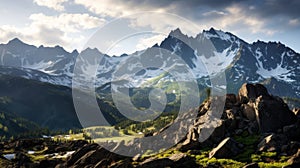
{"x": 272, "y": 63}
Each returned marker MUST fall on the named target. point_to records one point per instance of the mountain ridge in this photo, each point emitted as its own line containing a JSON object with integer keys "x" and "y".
{"x": 242, "y": 62}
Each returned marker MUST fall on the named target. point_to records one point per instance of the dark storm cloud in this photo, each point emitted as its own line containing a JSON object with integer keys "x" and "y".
{"x": 267, "y": 8}
{"x": 271, "y": 8}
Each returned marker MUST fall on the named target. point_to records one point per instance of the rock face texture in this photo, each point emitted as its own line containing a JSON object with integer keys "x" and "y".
{"x": 249, "y": 92}
{"x": 226, "y": 149}
{"x": 252, "y": 112}
{"x": 273, "y": 114}
{"x": 270, "y": 111}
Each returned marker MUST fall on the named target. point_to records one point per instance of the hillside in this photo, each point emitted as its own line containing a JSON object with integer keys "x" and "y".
{"x": 256, "y": 129}
{"x": 45, "y": 104}
{"x": 13, "y": 126}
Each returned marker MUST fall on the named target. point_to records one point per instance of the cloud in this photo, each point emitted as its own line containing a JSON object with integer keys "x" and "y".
{"x": 246, "y": 18}
{"x": 67, "y": 22}
{"x": 105, "y": 7}
{"x": 118, "y": 8}
{"x": 274, "y": 8}
{"x": 65, "y": 29}
{"x": 238, "y": 19}
{"x": 53, "y": 4}
{"x": 163, "y": 23}
{"x": 150, "y": 41}
{"x": 230, "y": 14}
{"x": 214, "y": 13}
{"x": 294, "y": 22}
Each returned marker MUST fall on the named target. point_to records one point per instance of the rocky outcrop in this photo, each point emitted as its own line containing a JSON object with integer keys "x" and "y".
{"x": 91, "y": 155}
{"x": 249, "y": 92}
{"x": 226, "y": 149}
{"x": 253, "y": 111}
{"x": 273, "y": 114}
{"x": 272, "y": 143}
{"x": 270, "y": 111}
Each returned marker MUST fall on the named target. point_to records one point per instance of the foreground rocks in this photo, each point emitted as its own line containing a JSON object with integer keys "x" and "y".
{"x": 270, "y": 111}
{"x": 228, "y": 148}
{"x": 252, "y": 121}
{"x": 253, "y": 112}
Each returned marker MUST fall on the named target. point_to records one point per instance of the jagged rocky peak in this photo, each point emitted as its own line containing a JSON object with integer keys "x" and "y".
{"x": 213, "y": 33}
{"x": 176, "y": 32}
{"x": 17, "y": 44}
{"x": 15, "y": 41}
{"x": 89, "y": 50}
{"x": 75, "y": 52}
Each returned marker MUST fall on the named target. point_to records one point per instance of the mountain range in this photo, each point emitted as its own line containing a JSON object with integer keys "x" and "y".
{"x": 37, "y": 80}
{"x": 272, "y": 63}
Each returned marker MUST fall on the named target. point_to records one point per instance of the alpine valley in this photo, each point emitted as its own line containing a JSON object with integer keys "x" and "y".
{"x": 36, "y": 81}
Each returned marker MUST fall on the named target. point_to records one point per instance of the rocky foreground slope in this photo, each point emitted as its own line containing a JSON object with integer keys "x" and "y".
{"x": 256, "y": 130}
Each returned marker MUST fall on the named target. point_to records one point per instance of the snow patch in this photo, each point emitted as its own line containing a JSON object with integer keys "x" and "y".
{"x": 280, "y": 72}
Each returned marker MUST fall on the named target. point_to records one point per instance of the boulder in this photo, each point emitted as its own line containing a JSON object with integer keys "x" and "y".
{"x": 95, "y": 156}
{"x": 249, "y": 92}
{"x": 226, "y": 149}
{"x": 273, "y": 114}
{"x": 272, "y": 143}
{"x": 80, "y": 153}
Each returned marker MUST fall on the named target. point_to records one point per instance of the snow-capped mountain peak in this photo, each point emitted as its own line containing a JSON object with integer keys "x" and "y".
{"x": 242, "y": 62}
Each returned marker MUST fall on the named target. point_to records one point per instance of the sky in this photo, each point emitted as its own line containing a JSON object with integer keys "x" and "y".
{"x": 73, "y": 23}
